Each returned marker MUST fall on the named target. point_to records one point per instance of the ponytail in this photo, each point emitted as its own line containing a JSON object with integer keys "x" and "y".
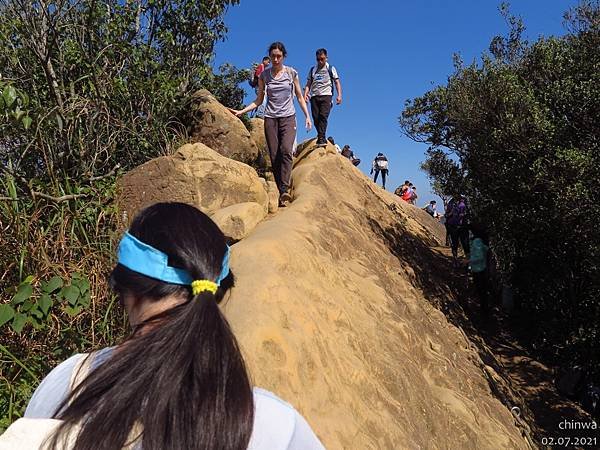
{"x": 179, "y": 381}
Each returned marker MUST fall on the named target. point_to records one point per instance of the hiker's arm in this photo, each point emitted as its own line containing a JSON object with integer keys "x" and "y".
{"x": 260, "y": 96}
{"x": 307, "y": 89}
{"x": 302, "y": 102}
{"x": 338, "y": 87}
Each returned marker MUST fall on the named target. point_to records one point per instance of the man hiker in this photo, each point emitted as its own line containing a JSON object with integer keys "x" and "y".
{"x": 380, "y": 164}
{"x": 347, "y": 153}
{"x": 319, "y": 89}
{"x": 431, "y": 209}
{"x": 457, "y": 226}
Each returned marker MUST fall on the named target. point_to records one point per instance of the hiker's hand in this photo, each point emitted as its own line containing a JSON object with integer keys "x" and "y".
{"x": 306, "y": 98}
{"x": 338, "y": 100}
{"x": 235, "y": 112}
{"x": 308, "y": 124}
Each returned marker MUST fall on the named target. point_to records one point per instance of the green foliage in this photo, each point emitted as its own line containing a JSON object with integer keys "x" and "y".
{"x": 88, "y": 89}
{"x": 102, "y": 82}
{"x": 523, "y": 129}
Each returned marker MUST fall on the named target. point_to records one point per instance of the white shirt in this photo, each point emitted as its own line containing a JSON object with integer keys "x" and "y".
{"x": 277, "y": 425}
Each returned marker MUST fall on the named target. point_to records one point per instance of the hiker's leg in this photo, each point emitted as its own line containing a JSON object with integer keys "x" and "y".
{"x": 314, "y": 110}
{"x": 272, "y": 137}
{"x": 383, "y": 175}
{"x": 287, "y": 134}
{"x": 464, "y": 240}
{"x": 376, "y": 175}
{"x": 324, "y": 110}
{"x": 454, "y": 239}
{"x": 479, "y": 278}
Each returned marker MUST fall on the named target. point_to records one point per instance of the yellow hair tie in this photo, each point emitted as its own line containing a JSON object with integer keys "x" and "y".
{"x": 199, "y": 286}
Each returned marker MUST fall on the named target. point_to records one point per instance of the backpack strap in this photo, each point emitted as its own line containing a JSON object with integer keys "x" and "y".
{"x": 330, "y": 70}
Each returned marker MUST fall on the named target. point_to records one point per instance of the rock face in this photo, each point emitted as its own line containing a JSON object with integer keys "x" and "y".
{"x": 220, "y": 130}
{"x": 257, "y": 133}
{"x": 237, "y": 221}
{"x": 330, "y": 310}
{"x": 196, "y": 175}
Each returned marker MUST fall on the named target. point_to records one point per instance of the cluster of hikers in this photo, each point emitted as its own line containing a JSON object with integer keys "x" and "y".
{"x": 472, "y": 238}
{"x": 276, "y": 87}
{"x": 408, "y": 192}
{"x": 179, "y": 380}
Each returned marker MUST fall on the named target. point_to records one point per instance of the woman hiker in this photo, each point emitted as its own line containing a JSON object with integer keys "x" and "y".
{"x": 279, "y": 83}
{"x": 179, "y": 380}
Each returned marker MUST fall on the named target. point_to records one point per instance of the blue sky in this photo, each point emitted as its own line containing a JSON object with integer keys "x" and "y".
{"x": 385, "y": 51}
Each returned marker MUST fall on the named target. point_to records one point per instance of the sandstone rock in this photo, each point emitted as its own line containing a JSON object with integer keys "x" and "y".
{"x": 273, "y": 196}
{"x": 330, "y": 308}
{"x": 196, "y": 175}
{"x": 257, "y": 132}
{"x": 237, "y": 221}
{"x": 214, "y": 126}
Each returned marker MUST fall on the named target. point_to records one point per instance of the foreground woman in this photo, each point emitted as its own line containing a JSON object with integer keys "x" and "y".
{"x": 179, "y": 381}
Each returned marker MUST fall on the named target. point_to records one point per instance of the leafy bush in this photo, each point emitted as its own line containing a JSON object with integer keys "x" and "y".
{"x": 88, "y": 90}
{"x": 519, "y": 133}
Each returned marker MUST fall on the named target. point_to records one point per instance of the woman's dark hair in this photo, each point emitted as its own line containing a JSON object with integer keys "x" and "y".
{"x": 179, "y": 378}
{"x": 277, "y": 46}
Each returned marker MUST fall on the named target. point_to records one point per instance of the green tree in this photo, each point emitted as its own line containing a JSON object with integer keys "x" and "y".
{"x": 522, "y": 126}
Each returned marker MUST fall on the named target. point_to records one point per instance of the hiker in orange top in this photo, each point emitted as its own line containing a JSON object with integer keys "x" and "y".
{"x": 407, "y": 191}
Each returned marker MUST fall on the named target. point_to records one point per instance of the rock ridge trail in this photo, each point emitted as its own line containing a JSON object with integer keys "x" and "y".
{"x": 331, "y": 315}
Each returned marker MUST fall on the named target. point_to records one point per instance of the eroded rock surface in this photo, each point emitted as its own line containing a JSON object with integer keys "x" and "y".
{"x": 196, "y": 175}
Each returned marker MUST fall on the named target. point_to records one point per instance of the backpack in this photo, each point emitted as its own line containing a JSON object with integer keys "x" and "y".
{"x": 381, "y": 163}
{"x": 253, "y": 82}
{"x": 313, "y": 71}
{"x": 30, "y": 434}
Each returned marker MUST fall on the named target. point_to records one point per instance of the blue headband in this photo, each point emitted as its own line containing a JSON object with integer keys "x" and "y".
{"x": 145, "y": 259}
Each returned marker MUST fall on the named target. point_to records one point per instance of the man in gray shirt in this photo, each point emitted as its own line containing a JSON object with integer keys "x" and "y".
{"x": 319, "y": 89}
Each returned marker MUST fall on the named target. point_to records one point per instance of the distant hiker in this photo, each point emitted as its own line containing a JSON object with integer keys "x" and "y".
{"x": 332, "y": 142}
{"x": 279, "y": 82}
{"x": 319, "y": 89}
{"x": 350, "y": 155}
{"x": 456, "y": 223}
{"x": 407, "y": 191}
{"x": 478, "y": 263}
{"x": 179, "y": 380}
{"x": 257, "y": 71}
{"x": 414, "y": 196}
{"x": 380, "y": 164}
{"x": 431, "y": 209}
{"x": 260, "y": 110}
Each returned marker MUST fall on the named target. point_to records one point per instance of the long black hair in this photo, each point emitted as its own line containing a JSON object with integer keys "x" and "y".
{"x": 179, "y": 378}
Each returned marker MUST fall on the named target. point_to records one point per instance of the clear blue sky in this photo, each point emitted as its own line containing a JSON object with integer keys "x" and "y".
{"x": 386, "y": 51}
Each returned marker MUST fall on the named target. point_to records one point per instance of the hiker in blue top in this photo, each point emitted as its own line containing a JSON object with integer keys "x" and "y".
{"x": 456, "y": 224}
{"x": 478, "y": 263}
{"x": 319, "y": 90}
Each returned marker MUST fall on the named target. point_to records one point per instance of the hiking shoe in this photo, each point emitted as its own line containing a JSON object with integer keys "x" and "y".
{"x": 321, "y": 143}
{"x": 285, "y": 199}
